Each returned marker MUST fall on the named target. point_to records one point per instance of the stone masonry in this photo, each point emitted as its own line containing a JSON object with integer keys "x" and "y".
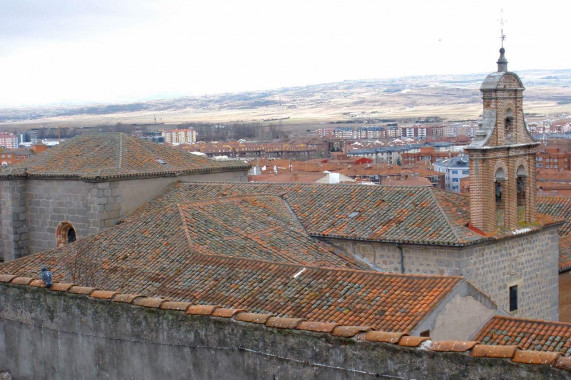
{"x": 528, "y": 261}
{"x": 32, "y": 209}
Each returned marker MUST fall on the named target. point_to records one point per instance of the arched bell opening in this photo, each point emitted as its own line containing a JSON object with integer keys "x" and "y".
{"x": 499, "y": 186}
{"x": 521, "y": 187}
{"x": 509, "y": 125}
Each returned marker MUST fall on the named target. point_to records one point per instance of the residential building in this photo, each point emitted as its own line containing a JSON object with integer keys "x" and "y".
{"x": 179, "y": 136}
{"x": 8, "y": 140}
{"x": 455, "y": 168}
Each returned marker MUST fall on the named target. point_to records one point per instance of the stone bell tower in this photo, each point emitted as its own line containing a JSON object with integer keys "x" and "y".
{"x": 502, "y": 157}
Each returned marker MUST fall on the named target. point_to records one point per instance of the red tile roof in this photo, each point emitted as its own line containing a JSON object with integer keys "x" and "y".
{"x": 419, "y": 215}
{"x": 151, "y": 256}
{"x": 527, "y": 334}
{"x": 356, "y": 333}
{"x": 114, "y": 155}
{"x": 559, "y": 208}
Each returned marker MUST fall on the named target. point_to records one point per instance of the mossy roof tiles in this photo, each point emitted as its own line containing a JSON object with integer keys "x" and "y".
{"x": 101, "y": 156}
{"x": 559, "y": 208}
{"x": 392, "y": 214}
{"x": 161, "y": 255}
{"x": 527, "y": 334}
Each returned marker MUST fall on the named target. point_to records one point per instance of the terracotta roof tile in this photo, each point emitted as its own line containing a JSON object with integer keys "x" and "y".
{"x": 7, "y": 277}
{"x": 22, "y": 280}
{"x": 559, "y": 208}
{"x": 535, "y": 357}
{"x": 401, "y": 214}
{"x": 82, "y": 290}
{"x": 452, "y": 345}
{"x": 283, "y": 323}
{"x": 412, "y": 341}
{"x": 38, "y": 284}
{"x": 317, "y": 326}
{"x": 126, "y": 298}
{"x": 170, "y": 305}
{"x": 349, "y": 331}
{"x": 153, "y": 302}
{"x": 225, "y": 312}
{"x": 103, "y": 294}
{"x": 488, "y": 351}
{"x": 528, "y": 334}
{"x": 253, "y": 317}
{"x": 61, "y": 287}
{"x": 383, "y": 336}
{"x": 200, "y": 309}
{"x": 114, "y": 155}
{"x": 563, "y": 362}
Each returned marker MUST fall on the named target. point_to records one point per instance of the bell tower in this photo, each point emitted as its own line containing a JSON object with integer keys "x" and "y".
{"x": 502, "y": 157}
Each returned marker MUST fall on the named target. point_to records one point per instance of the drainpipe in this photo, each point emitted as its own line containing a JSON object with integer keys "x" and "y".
{"x": 401, "y": 258}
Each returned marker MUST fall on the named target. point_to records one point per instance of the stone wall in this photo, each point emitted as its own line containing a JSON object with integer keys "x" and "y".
{"x": 32, "y": 209}
{"x": 66, "y": 336}
{"x": 529, "y": 261}
{"x": 51, "y": 202}
{"x": 13, "y": 220}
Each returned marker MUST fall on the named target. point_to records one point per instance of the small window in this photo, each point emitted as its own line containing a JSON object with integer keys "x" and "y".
{"x": 513, "y": 298}
{"x": 425, "y": 333}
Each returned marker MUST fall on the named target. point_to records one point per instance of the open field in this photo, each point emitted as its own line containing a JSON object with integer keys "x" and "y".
{"x": 311, "y": 107}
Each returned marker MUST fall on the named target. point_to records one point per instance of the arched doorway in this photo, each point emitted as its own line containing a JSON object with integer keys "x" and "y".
{"x": 65, "y": 234}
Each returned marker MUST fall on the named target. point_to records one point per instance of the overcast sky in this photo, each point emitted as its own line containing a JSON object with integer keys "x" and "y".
{"x": 54, "y": 51}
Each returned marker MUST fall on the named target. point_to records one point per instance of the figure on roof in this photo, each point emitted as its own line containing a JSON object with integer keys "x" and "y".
{"x": 47, "y": 277}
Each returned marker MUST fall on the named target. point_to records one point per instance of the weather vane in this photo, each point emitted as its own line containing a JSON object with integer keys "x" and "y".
{"x": 502, "y": 36}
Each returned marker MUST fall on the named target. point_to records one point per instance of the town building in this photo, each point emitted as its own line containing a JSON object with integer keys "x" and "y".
{"x": 8, "y": 140}
{"x": 455, "y": 168}
{"x": 179, "y": 136}
{"x": 14, "y": 156}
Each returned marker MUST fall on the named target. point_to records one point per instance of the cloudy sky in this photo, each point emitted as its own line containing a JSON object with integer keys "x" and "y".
{"x": 65, "y": 51}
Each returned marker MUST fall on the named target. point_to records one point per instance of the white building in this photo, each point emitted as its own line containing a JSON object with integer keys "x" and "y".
{"x": 455, "y": 168}
{"x": 179, "y": 136}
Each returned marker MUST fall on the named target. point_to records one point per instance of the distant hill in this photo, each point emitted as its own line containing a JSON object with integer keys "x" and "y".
{"x": 337, "y": 100}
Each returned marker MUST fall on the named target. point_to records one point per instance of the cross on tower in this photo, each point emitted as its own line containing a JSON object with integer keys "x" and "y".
{"x": 502, "y": 35}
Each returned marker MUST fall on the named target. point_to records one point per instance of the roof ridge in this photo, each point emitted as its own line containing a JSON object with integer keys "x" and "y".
{"x": 120, "y": 151}
{"x": 333, "y": 269}
{"x": 511, "y": 317}
{"x": 446, "y": 217}
{"x": 241, "y": 233}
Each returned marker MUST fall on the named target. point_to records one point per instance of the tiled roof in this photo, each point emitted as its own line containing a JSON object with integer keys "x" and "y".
{"x": 150, "y": 256}
{"x": 419, "y": 215}
{"x": 337, "y": 331}
{"x": 527, "y": 334}
{"x": 114, "y": 155}
{"x": 559, "y": 208}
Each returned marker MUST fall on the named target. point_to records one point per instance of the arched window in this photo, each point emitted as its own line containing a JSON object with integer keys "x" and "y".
{"x": 65, "y": 234}
{"x": 521, "y": 179}
{"x": 499, "y": 194}
{"x": 509, "y": 125}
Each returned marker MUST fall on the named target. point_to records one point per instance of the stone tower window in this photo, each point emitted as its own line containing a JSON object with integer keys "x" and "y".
{"x": 509, "y": 125}
{"x": 499, "y": 195}
{"x": 521, "y": 194}
{"x": 65, "y": 234}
